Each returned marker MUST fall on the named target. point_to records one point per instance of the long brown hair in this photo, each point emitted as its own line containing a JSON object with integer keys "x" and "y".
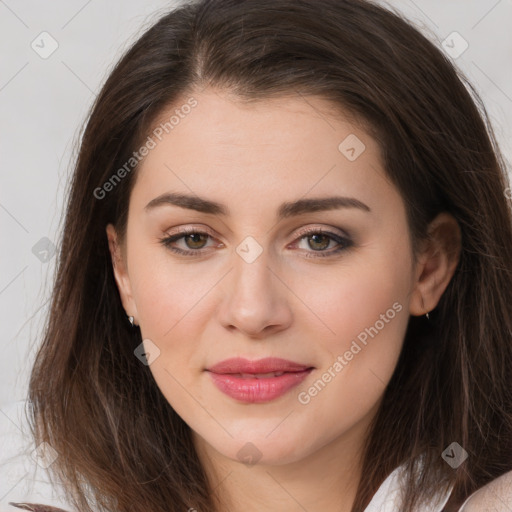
{"x": 121, "y": 445}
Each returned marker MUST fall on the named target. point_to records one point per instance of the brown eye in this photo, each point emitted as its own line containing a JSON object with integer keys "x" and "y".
{"x": 192, "y": 242}
{"x": 195, "y": 240}
{"x": 320, "y": 241}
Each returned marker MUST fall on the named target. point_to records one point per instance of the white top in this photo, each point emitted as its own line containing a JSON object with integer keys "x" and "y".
{"x": 387, "y": 497}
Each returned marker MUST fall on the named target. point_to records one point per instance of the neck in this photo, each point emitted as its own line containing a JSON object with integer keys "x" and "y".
{"x": 325, "y": 479}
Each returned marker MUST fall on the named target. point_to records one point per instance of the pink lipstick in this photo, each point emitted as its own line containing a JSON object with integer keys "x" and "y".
{"x": 257, "y": 381}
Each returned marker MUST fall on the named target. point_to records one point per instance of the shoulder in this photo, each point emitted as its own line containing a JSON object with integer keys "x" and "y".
{"x": 497, "y": 494}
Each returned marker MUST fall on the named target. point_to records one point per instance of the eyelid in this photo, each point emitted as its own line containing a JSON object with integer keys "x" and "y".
{"x": 192, "y": 229}
{"x": 322, "y": 229}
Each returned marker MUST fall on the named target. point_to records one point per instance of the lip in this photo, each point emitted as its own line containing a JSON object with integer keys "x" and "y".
{"x": 265, "y": 365}
{"x": 227, "y": 376}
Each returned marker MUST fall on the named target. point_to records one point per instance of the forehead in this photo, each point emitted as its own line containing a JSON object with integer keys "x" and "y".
{"x": 285, "y": 122}
{"x": 265, "y": 150}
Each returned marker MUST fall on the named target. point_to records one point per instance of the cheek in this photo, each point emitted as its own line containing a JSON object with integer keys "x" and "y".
{"x": 350, "y": 298}
{"x": 168, "y": 295}
{"x": 367, "y": 314}
{"x": 171, "y": 314}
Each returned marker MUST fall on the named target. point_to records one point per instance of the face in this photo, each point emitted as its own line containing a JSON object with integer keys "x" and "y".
{"x": 274, "y": 269}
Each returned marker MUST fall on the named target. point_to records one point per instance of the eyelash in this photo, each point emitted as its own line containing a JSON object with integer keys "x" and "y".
{"x": 344, "y": 242}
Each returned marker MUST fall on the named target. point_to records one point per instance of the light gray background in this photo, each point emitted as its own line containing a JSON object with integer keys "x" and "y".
{"x": 43, "y": 103}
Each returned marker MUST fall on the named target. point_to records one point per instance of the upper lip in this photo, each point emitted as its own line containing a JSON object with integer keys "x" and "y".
{"x": 265, "y": 365}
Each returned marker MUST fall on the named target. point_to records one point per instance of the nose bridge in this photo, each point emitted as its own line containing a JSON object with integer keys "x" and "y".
{"x": 252, "y": 276}
{"x": 255, "y": 298}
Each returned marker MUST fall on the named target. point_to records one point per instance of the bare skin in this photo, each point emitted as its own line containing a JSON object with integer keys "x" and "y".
{"x": 496, "y": 496}
{"x": 290, "y": 302}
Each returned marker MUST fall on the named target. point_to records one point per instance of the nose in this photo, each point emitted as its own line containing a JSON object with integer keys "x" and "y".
{"x": 256, "y": 300}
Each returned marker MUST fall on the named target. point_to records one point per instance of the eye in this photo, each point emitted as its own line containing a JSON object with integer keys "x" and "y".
{"x": 317, "y": 239}
{"x": 192, "y": 238}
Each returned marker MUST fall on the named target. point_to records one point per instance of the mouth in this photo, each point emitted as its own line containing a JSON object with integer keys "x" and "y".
{"x": 258, "y": 375}
{"x": 258, "y": 381}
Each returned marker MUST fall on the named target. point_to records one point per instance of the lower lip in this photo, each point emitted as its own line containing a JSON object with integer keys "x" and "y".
{"x": 252, "y": 390}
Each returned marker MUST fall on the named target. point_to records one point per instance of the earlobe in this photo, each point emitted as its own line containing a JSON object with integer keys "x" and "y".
{"x": 436, "y": 264}
{"x": 120, "y": 272}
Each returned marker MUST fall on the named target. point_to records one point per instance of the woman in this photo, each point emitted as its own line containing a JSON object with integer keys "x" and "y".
{"x": 285, "y": 278}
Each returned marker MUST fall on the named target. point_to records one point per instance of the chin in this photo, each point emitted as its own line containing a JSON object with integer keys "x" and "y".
{"x": 260, "y": 450}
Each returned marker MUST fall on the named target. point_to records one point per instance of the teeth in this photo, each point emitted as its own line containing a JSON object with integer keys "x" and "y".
{"x": 260, "y": 375}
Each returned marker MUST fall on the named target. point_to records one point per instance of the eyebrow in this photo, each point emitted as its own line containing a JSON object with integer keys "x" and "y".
{"x": 287, "y": 209}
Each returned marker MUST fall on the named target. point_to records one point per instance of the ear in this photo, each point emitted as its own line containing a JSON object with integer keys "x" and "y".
{"x": 120, "y": 273}
{"x": 436, "y": 264}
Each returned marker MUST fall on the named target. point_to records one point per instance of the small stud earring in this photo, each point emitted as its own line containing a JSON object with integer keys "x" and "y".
{"x": 428, "y": 317}
{"x": 130, "y": 319}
